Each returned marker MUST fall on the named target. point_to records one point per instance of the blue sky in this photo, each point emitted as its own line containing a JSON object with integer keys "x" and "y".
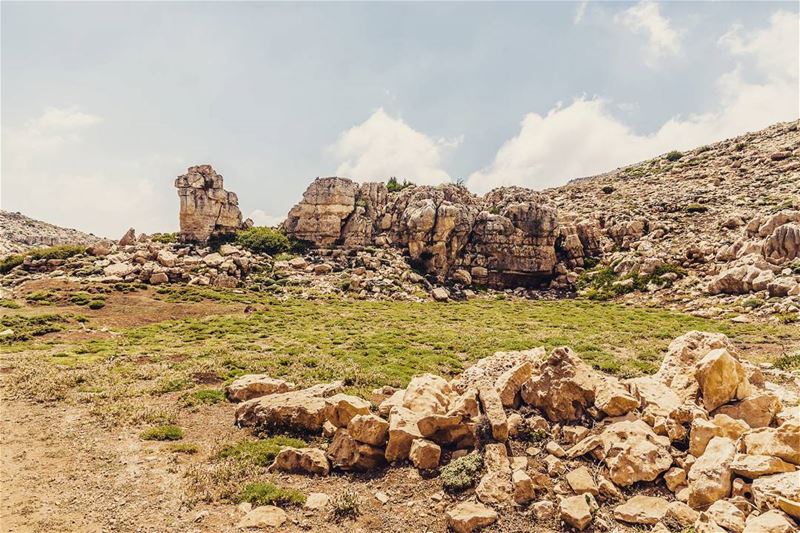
{"x": 103, "y": 104}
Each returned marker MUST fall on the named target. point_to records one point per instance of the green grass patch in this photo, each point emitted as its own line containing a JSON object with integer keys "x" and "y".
{"x": 206, "y": 396}
{"x": 9, "y": 304}
{"x": 10, "y": 262}
{"x": 165, "y": 432}
{"x": 183, "y": 447}
{"x": 261, "y": 493}
{"x": 259, "y": 452}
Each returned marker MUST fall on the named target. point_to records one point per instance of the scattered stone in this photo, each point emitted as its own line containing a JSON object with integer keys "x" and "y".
{"x": 710, "y": 476}
{"x": 642, "y": 510}
{"x": 317, "y": 501}
{"x": 341, "y": 408}
{"x": 369, "y": 429}
{"x": 581, "y": 481}
{"x": 769, "y": 522}
{"x": 726, "y": 515}
{"x": 348, "y": 454}
{"x": 425, "y": 454}
{"x": 467, "y": 517}
{"x": 781, "y": 442}
{"x": 263, "y": 517}
{"x": 754, "y": 466}
{"x": 577, "y": 511}
{"x": 301, "y": 460}
{"x": 495, "y": 485}
{"x": 522, "y": 487}
{"x": 493, "y": 408}
{"x": 721, "y": 378}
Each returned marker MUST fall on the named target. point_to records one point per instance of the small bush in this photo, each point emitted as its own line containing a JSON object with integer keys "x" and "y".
{"x": 166, "y": 432}
{"x": 607, "y": 189}
{"x": 186, "y": 448}
{"x": 10, "y": 262}
{"x": 208, "y": 396}
{"x": 97, "y": 304}
{"x": 395, "y": 186}
{"x": 269, "y": 494}
{"x": 753, "y": 303}
{"x": 164, "y": 238}
{"x": 346, "y": 504}
{"x": 788, "y": 362}
{"x": 259, "y": 452}
{"x": 57, "y": 252}
{"x": 9, "y": 304}
{"x": 696, "y": 208}
{"x": 462, "y": 473}
{"x": 263, "y": 240}
{"x": 674, "y": 156}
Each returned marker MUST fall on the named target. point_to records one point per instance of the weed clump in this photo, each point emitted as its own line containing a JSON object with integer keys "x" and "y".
{"x": 268, "y": 494}
{"x": 346, "y": 504}
{"x": 259, "y": 452}
{"x": 696, "y": 208}
{"x": 673, "y": 156}
{"x": 395, "y": 186}
{"x": 788, "y": 362}
{"x": 165, "y": 432}
{"x": 462, "y": 473}
{"x": 10, "y": 262}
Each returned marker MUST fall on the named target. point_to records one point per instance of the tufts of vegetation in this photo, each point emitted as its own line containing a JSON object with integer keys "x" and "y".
{"x": 696, "y": 208}
{"x": 183, "y": 447}
{"x": 395, "y": 186}
{"x": 165, "y": 432}
{"x": 462, "y": 473}
{"x": 607, "y": 189}
{"x": 788, "y": 362}
{"x": 9, "y": 304}
{"x": 96, "y": 304}
{"x": 263, "y": 240}
{"x": 261, "y": 493}
{"x": 604, "y": 284}
{"x": 673, "y": 156}
{"x": 10, "y": 262}
{"x": 164, "y": 238}
{"x": 259, "y": 452}
{"x": 345, "y": 505}
{"x": 27, "y": 327}
{"x": 64, "y": 251}
{"x": 205, "y": 396}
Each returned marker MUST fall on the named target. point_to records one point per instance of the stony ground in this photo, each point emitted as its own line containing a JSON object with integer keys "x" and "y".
{"x": 80, "y": 386}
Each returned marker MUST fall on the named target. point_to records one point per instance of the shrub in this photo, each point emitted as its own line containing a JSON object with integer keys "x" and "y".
{"x": 788, "y": 362}
{"x": 462, "y": 473}
{"x": 261, "y": 239}
{"x": 696, "y": 208}
{"x": 259, "y": 452}
{"x": 607, "y": 189}
{"x": 97, "y": 304}
{"x": 269, "y": 494}
{"x": 188, "y": 449}
{"x": 165, "y": 432}
{"x": 674, "y": 156}
{"x": 208, "y": 396}
{"x": 64, "y": 251}
{"x": 164, "y": 238}
{"x": 9, "y": 304}
{"x": 10, "y": 262}
{"x": 394, "y": 186}
{"x": 346, "y": 504}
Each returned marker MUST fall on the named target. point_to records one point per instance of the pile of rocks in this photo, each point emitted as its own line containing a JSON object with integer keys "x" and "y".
{"x": 19, "y": 234}
{"x": 707, "y": 442}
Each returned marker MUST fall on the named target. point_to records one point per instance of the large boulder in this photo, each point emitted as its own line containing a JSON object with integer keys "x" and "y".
{"x": 495, "y": 485}
{"x": 783, "y": 244}
{"x": 721, "y": 378}
{"x": 252, "y": 386}
{"x": 782, "y": 442}
{"x": 206, "y": 208}
{"x": 642, "y": 509}
{"x": 562, "y": 386}
{"x": 710, "y": 476}
{"x": 769, "y": 490}
{"x": 301, "y": 410}
{"x": 301, "y": 460}
{"x": 347, "y": 453}
{"x": 321, "y": 215}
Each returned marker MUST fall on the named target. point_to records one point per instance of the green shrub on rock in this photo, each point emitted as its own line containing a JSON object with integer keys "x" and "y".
{"x": 462, "y": 473}
{"x": 264, "y": 240}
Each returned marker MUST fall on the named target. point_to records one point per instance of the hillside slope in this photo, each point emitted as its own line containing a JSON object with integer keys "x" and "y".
{"x": 19, "y": 233}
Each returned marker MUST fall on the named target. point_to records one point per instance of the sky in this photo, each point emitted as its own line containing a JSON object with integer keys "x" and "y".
{"x": 104, "y": 104}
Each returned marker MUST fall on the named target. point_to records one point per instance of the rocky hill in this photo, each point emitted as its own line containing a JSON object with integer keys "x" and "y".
{"x": 722, "y": 219}
{"x": 19, "y": 233}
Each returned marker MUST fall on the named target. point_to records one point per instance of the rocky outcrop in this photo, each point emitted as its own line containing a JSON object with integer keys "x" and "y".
{"x": 207, "y": 209}
{"x": 510, "y": 237}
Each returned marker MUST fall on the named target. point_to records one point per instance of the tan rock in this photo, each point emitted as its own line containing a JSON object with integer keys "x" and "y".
{"x": 522, "y": 486}
{"x": 301, "y": 460}
{"x": 298, "y": 410}
{"x": 402, "y": 432}
{"x": 369, "y": 429}
{"x": 702, "y": 431}
{"x": 767, "y": 490}
{"x": 562, "y": 386}
{"x": 206, "y": 208}
{"x": 674, "y": 478}
{"x": 263, "y": 517}
{"x": 348, "y": 454}
{"x": 634, "y": 453}
{"x": 510, "y": 382}
{"x": 608, "y": 491}
{"x": 395, "y": 400}
{"x": 705, "y": 524}
{"x": 721, "y": 379}
{"x": 543, "y": 511}
{"x": 553, "y": 448}
{"x": 782, "y": 442}
{"x": 467, "y": 517}
{"x": 681, "y": 513}
{"x": 341, "y": 408}
{"x": 581, "y": 481}
{"x": 642, "y": 510}
{"x": 769, "y": 522}
{"x": 430, "y": 424}
{"x": 255, "y": 385}
{"x": 495, "y": 485}
{"x": 614, "y": 399}
{"x": 726, "y": 515}
{"x": 428, "y": 394}
{"x": 317, "y": 501}
{"x": 753, "y": 466}
{"x": 577, "y": 511}
{"x": 440, "y": 294}
{"x": 710, "y": 476}
{"x": 758, "y": 410}
{"x": 493, "y": 408}
{"x": 425, "y": 454}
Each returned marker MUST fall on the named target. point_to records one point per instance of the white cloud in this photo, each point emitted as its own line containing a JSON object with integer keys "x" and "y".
{"x": 52, "y": 172}
{"x": 580, "y": 11}
{"x": 261, "y": 218}
{"x": 584, "y": 138}
{"x": 383, "y": 146}
{"x": 645, "y": 18}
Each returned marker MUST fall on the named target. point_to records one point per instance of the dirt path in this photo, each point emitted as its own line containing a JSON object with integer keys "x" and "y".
{"x": 60, "y": 472}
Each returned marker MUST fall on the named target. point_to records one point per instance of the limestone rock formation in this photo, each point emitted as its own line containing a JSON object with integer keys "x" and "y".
{"x": 207, "y": 209}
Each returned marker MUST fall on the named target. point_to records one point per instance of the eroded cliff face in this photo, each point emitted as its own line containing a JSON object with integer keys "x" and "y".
{"x": 511, "y": 237}
{"x": 207, "y": 209}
